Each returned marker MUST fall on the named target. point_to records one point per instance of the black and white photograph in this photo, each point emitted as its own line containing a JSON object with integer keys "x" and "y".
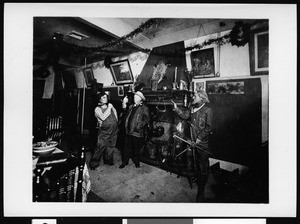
{"x": 199, "y": 85}
{"x": 209, "y": 145}
{"x": 259, "y": 51}
{"x": 120, "y": 90}
{"x": 88, "y": 75}
{"x": 121, "y": 72}
{"x": 203, "y": 64}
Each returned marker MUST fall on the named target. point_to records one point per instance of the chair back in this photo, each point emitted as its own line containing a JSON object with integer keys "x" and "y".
{"x": 62, "y": 183}
{"x": 54, "y": 123}
{"x": 54, "y": 128}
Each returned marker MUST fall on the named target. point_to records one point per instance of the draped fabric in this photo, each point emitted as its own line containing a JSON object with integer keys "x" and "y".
{"x": 49, "y": 84}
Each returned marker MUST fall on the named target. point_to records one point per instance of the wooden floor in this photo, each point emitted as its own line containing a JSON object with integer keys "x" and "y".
{"x": 144, "y": 184}
{"x": 152, "y": 184}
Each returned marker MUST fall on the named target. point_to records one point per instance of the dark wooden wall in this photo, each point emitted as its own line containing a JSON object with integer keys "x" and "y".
{"x": 237, "y": 123}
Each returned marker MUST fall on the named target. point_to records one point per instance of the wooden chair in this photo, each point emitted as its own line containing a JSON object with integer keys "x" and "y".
{"x": 54, "y": 128}
{"x": 59, "y": 183}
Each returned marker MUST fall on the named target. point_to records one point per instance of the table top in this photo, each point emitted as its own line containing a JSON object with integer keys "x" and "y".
{"x": 35, "y": 158}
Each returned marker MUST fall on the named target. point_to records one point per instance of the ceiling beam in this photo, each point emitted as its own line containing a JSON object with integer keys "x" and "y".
{"x": 98, "y": 26}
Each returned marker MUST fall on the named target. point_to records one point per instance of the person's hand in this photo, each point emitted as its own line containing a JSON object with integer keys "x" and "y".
{"x": 191, "y": 143}
{"x": 198, "y": 141}
{"x": 125, "y": 101}
{"x": 174, "y": 105}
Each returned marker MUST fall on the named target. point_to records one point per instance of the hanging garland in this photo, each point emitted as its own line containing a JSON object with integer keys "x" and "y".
{"x": 177, "y": 52}
{"x": 238, "y": 36}
{"x": 141, "y": 56}
{"x": 97, "y": 65}
{"x": 143, "y": 28}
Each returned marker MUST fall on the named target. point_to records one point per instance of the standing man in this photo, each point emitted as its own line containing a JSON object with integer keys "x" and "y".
{"x": 136, "y": 119}
{"x": 201, "y": 116}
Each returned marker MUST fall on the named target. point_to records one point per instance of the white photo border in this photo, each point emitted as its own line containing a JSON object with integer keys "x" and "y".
{"x": 18, "y": 110}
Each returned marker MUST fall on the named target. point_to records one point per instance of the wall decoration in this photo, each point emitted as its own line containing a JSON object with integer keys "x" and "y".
{"x": 107, "y": 61}
{"x": 144, "y": 27}
{"x": 259, "y": 52}
{"x": 89, "y": 76}
{"x": 140, "y": 55}
{"x": 99, "y": 64}
{"x": 203, "y": 63}
{"x": 199, "y": 85}
{"x": 164, "y": 66}
{"x": 159, "y": 71}
{"x": 158, "y": 51}
{"x": 240, "y": 34}
{"x": 225, "y": 87}
{"x": 120, "y": 90}
{"x": 121, "y": 72}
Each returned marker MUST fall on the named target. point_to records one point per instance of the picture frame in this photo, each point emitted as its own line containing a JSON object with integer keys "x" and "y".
{"x": 89, "y": 76}
{"x": 199, "y": 85}
{"x": 121, "y": 72}
{"x": 203, "y": 63}
{"x": 259, "y": 52}
{"x": 225, "y": 87}
{"x": 120, "y": 90}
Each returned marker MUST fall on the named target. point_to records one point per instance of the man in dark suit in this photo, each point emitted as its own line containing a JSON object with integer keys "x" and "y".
{"x": 136, "y": 119}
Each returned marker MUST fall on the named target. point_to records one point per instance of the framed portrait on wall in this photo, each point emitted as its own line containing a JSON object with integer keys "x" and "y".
{"x": 259, "y": 52}
{"x": 120, "y": 90}
{"x": 203, "y": 63}
{"x": 89, "y": 76}
{"x": 121, "y": 72}
{"x": 199, "y": 85}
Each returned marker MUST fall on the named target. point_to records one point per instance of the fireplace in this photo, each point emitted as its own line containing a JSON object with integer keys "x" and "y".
{"x": 162, "y": 149}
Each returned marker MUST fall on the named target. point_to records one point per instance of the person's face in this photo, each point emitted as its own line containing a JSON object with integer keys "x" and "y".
{"x": 137, "y": 99}
{"x": 103, "y": 99}
{"x": 197, "y": 99}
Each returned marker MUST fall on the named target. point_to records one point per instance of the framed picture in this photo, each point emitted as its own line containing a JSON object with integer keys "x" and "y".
{"x": 203, "y": 63}
{"x": 120, "y": 90}
{"x": 225, "y": 87}
{"x": 89, "y": 76}
{"x": 199, "y": 85}
{"x": 259, "y": 52}
{"x": 121, "y": 72}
